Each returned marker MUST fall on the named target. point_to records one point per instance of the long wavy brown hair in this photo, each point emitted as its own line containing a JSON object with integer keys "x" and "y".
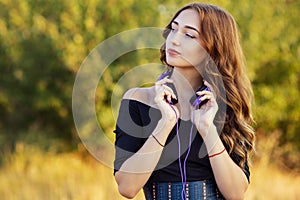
{"x": 220, "y": 38}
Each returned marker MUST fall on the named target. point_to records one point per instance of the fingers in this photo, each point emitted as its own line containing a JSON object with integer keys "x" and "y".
{"x": 164, "y": 91}
{"x": 206, "y": 94}
{"x": 169, "y": 93}
{"x": 210, "y": 88}
{"x": 207, "y": 84}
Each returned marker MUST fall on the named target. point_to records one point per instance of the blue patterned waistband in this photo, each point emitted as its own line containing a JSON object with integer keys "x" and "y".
{"x": 197, "y": 190}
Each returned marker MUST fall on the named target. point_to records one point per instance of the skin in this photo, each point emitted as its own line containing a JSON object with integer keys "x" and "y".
{"x": 184, "y": 51}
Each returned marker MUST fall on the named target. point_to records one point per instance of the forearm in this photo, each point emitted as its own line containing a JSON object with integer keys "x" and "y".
{"x": 137, "y": 169}
{"x": 230, "y": 178}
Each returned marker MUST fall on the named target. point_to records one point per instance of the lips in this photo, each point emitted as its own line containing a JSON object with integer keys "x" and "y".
{"x": 173, "y": 52}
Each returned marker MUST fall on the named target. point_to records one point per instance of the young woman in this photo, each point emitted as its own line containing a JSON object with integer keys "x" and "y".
{"x": 176, "y": 150}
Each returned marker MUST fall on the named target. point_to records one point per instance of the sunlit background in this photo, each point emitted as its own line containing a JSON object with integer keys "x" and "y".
{"x": 42, "y": 45}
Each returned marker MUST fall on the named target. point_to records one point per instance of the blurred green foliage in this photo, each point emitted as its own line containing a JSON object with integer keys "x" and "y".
{"x": 43, "y": 43}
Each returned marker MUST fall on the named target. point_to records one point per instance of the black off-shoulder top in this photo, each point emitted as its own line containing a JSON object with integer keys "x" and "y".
{"x": 136, "y": 122}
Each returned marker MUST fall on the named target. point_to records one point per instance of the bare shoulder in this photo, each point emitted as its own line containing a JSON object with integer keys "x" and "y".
{"x": 144, "y": 95}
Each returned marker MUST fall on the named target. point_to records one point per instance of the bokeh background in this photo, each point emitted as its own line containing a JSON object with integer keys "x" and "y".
{"x": 42, "y": 45}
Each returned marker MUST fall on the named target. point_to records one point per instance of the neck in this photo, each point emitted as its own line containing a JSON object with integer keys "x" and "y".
{"x": 186, "y": 80}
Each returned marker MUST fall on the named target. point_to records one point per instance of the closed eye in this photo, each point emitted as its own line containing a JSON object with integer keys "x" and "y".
{"x": 173, "y": 28}
{"x": 190, "y": 35}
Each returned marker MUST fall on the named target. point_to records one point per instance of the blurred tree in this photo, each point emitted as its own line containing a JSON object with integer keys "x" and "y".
{"x": 271, "y": 37}
{"x": 43, "y": 43}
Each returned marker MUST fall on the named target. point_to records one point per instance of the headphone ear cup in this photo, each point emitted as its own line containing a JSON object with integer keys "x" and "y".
{"x": 163, "y": 75}
{"x": 168, "y": 74}
{"x": 195, "y": 99}
{"x": 198, "y": 103}
{"x": 173, "y": 101}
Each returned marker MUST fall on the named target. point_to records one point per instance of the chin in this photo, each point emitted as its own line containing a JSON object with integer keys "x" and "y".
{"x": 177, "y": 61}
{"x": 174, "y": 62}
{"x": 179, "y": 64}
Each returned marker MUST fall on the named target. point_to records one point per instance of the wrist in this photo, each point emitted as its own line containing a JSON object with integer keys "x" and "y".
{"x": 208, "y": 132}
{"x": 204, "y": 128}
{"x": 157, "y": 141}
{"x": 165, "y": 126}
{"x": 216, "y": 154}
{"x": 213, "y": 141}
{"x": 168, "y": 121}
{"x": 169, "y": 113}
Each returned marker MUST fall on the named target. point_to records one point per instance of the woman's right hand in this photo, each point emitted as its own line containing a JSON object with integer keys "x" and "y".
{"x": 163, "y": 95}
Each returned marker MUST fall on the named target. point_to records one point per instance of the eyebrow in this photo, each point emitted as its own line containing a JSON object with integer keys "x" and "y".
{"x": 187, "y": 26}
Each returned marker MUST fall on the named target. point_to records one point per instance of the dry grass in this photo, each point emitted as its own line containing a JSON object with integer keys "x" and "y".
{"x": 268, "y": 182}
{"x": 30, "y": 174}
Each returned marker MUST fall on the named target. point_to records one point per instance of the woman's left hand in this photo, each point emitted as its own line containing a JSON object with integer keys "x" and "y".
{"x": 203, "y": 118}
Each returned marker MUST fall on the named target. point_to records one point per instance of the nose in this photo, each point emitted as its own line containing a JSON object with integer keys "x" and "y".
{"x": 175, "y": 38}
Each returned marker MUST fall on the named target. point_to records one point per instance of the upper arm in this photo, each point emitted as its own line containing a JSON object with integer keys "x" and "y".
{"x": 129, "y": 128}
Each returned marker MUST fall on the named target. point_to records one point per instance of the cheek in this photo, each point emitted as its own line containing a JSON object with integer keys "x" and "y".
{"x": 194, "y": 54}
{"x": 168, "y": 42}
{"x": 191, "y": 50}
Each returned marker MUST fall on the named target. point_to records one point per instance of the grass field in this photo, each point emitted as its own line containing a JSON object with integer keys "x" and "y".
{"x": 30, "y": 174}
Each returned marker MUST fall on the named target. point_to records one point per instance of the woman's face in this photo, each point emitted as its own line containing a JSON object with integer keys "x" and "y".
{"x": 183, "y": 48}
